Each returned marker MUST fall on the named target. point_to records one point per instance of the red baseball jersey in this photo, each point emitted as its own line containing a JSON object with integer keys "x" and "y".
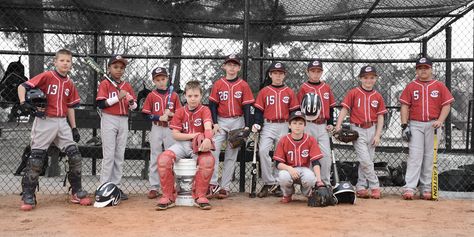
{"x": 107, "y": 90}
{"x": 325, "y": 93}
{"x": 365, "y": 106}
{"x": 231, "y": 96}
{"x": 276, "y": 102}
{"x": 426, "y": 99}
{"x": 155, "y": 103}
{"x": 297, "y": 153}
{"x": 60, "y": 91}
{"x": 187, "y": 121}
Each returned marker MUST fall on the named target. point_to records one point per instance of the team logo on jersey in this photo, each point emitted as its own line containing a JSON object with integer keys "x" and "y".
{"x": 170, "y": 105}
{"x": 434, "y": 94}
{"x": 326, "y": 95}
{"x": 66, "y": 92}
{"x": 305, "y": 153}
{"x": 286, "y": 99}
{"x": 374, "y": 103}
{"x": 238, "y": 94}
{"x": 197, "y": 122}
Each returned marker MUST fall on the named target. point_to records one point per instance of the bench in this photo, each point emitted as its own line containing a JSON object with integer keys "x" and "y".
{"x": 89, "y": 119}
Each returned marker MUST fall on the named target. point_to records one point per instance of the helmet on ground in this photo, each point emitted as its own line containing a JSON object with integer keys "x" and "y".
{"x": 107, "y": 194}
{"x": 344, "y": 192}
{"x": 311, "y": 106}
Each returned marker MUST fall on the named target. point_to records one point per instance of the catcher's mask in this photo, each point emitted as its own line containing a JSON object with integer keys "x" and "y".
{"x": 37, "y": 98}
{"x": 311, "y": 106}
{"x": 344, "y": 192}
{"x": 107, "y": 194}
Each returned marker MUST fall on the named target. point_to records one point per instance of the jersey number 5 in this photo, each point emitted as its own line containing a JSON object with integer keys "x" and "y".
{"x": 416, "y": 95}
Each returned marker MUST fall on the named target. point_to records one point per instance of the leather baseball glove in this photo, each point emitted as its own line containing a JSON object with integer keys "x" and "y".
{"x": 346, "y": 135}
{"x": 321, "y": 196}
{"x": 238, "y": 137}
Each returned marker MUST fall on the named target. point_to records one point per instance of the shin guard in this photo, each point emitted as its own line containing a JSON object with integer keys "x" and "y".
{"x": 203, "y": 176}
{"x": 165, "y": 170}
{"x": 34, "y": 167}
{"x": 75, "y": 169}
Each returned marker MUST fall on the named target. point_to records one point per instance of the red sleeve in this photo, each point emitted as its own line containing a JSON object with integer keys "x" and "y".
{"x": 405, "y": 97}
{"x": 259, "y": 102}
{"x": 176, "y": 101}
{"x": 176, "y": 121}
{"x": 130, "y": 90}
{"x": 248, "y": 96}
{"x": 381, "y": 108}
{"x": 300, "y": 94}
{"x": 279, "y": 154}
{"x": 206, "y": 115}
{"x": 74, "y": 99}
{"x": 314, "y": 152}
{"x": 446, "y": 96}
{"x": 347, "y": 101}
{"x": 214, "y": 96}
{"x": 293, "y": 100}
{"x": 332, "y": 100}
{"x": 37, "y": 80}
{"x": 147, "y": 105}
{"x": 102, "y": 93}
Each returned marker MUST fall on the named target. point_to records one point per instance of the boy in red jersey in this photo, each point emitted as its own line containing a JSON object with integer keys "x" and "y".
{"x": 230, "y": 102}
{"x": 367, "y": 108}
{"x": 115, "y": 105}
{"x": 189, "y": 121}
{"x": 273, "y": 106}
{"x": 319, "y": 127}
{"x": 159, "y": 113}
{"x": 426, "y": 103}
{"x": 52, "y": 126}
{"x": 297, "y": 156}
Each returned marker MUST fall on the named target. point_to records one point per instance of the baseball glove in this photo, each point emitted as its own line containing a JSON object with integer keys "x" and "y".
{"x": 346, "y": 135}
{"x": 321, "y": 197}
{"x": 197, "y": 141}
{"x": 238, "y": 137}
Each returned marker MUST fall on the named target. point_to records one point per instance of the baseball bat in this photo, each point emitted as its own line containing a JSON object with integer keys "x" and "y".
{"x": 96, "y": 67}
{"x": 253, "y": 188}
{"x": 334, "y": 165}
{"x": 434, "y": 173}
{"x": 171, "y": 88}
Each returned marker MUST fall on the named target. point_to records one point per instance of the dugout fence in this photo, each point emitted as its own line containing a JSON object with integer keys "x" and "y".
{"x": 196, "y": 35}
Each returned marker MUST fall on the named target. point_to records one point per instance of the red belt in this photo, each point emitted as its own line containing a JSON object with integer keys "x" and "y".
{"x": 276, "y": 121}
{"x": 319, "y": 121}
{"x": 364, "y": 125}
{"x": 160, "y": 123}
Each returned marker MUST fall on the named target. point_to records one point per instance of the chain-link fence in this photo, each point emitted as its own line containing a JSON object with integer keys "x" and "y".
{"x": 200, "y": 55}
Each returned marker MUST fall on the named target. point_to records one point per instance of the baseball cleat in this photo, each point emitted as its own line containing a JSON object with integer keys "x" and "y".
{"x": 202, "y": 203}
{"x": 408, "y": 195}
{"x": 375, "y": 193}
{"x": 363, "y": 193}
{"x": 286, "y": 199}
{"x": 426, "y": 196}
{"x": 164, "y": 203}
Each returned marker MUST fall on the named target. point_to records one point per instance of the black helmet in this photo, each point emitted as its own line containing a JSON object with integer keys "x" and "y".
{"x": 311, "y": 106}
{"x": 107, "y": 194}
{"x": 36, "y": 97}
{"x": 344, "y": 192}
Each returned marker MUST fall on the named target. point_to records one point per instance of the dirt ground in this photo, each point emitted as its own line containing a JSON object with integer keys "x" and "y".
{"x": 239, "y": 216}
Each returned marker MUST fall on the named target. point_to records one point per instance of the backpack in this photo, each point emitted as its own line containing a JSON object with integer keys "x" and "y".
{"x": 13, "y": 77}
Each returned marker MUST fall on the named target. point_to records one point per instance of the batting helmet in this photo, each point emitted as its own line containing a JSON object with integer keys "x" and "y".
{"x": 311, "y": 106}
{"x": 107, "y": 194}
{"x": 344, "y": 192}
{"x": 36, "y": 97}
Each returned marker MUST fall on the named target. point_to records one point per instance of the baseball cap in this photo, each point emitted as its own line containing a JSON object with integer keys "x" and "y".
{"x": 296, "y": 114}
{"x": 277, "y": 66}
{"x": 367, "y": 69}
{"x": 315, "y": 64}
{"x": 117, "y": 58}
{"x": 159, "y": 71}
{"x": 232, "y": 58}
{"x": 423, "y": 61}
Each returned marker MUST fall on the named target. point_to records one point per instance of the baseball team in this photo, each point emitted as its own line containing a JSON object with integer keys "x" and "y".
{"x": 297, "y": 127}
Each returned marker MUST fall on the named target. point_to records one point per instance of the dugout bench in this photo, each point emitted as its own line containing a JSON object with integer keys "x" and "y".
{"x": 90, "y": 119}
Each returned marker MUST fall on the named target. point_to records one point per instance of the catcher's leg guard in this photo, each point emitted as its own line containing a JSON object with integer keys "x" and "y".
{"x": 29, "y": 181}
{"x": 74, "y": 176}
{"x": 165, "y": 170}
{"x": 203, "y": 176}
